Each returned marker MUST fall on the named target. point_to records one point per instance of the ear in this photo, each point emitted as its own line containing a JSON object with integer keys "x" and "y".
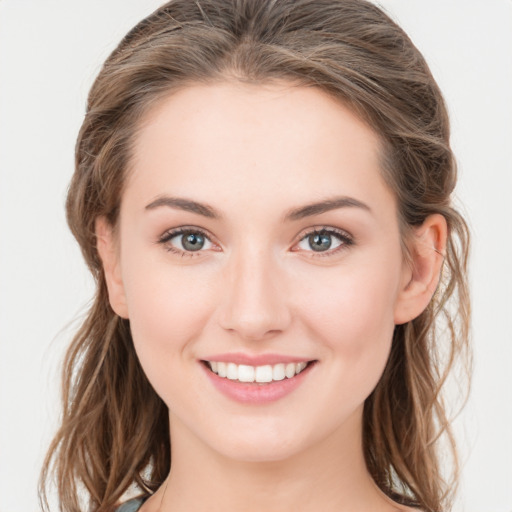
{"x": 421, "y": 275}
{"x": 108, "y": 249}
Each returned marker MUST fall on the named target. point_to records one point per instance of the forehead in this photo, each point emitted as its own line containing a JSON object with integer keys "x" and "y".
{"x": 257, "y": 141}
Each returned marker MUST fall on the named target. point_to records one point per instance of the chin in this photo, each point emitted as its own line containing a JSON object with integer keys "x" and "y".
{"x": 261, "y": 451}
{"x": 264, "y": 441}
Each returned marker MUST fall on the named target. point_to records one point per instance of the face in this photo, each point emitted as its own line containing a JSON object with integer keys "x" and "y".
{"x": 256, "y": 232}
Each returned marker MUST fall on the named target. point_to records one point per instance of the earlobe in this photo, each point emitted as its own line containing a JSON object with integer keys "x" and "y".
{"x": 107, "y": 247}
{"x": 427, "y": 247}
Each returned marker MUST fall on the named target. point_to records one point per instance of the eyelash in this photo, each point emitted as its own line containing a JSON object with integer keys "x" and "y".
{"x": 169, "y": 235}
{"x": 342, "y": 236}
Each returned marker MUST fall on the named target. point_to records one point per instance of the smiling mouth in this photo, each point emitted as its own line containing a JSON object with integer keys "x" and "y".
{"x": 257, "y": 374}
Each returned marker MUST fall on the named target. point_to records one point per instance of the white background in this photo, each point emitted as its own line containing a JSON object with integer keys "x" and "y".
{"x": 50, "y": 51}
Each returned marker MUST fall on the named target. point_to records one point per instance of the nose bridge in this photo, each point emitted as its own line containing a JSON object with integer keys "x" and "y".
{"x": 254, "y": 303}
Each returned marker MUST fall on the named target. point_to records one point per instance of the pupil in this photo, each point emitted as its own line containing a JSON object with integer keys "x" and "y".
{"x": 193, "y": 242}
{"x": 320, "y": 242}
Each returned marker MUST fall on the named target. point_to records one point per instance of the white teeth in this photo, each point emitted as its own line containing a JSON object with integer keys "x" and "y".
{"x": 246, "y": 373}
{"x": 289, "y": 371}
{"x": 263, "y": 374}
{"x": 278, "y": 372}
{"x": 221, "y": 369}
{"x": 259, "y": 374}
{"x": 232, "y": 371}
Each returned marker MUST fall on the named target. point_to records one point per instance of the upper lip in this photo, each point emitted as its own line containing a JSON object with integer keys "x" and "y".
{"x": 255, "y": 359}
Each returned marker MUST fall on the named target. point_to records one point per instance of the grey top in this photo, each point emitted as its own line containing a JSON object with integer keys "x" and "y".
{"x": 131, "y": 505}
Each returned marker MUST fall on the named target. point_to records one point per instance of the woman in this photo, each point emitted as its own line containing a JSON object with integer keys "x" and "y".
{"x": 262, "y": 192}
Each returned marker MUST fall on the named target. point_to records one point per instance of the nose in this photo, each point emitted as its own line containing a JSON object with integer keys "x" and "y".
{"x": 254, "y": 301}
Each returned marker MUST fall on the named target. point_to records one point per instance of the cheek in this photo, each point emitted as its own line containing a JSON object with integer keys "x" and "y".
{"x": 168, "y": 308}
{"x": 351, "y": 313}
{"x": 346, "y": 302}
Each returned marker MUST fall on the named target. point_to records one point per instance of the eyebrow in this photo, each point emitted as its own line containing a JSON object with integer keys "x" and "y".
{"x": 292, "y": 215}
{"x": 325, "y": 206}
{"x": 184, "y": 204}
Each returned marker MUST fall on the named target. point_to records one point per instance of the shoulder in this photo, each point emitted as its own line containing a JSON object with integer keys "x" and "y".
{"x": 131, "y": 505}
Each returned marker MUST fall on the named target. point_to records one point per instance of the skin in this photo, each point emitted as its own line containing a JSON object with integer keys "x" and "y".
{"x": 254, "y": 153}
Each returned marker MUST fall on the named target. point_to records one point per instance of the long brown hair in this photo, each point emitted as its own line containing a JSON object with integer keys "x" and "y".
{"x": 114, "y": 431}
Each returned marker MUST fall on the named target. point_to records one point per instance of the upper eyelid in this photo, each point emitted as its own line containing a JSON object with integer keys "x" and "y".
{"x": 172, "y": 232}
{"x": 328, "y": 229}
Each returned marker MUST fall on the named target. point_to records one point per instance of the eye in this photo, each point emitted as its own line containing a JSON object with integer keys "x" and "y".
{"x": 186, "y": 241}
{"x": 325, "y": 240}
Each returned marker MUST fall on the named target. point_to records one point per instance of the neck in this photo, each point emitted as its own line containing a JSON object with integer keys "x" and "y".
{"x": 330, "y": 475}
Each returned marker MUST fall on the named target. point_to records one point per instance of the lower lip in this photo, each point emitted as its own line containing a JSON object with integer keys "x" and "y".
{"x": 254, "y": 393}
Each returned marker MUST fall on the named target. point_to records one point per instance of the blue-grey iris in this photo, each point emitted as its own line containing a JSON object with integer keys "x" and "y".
{"x": 320, "y": 241}
{"x": 193, "y": 241}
